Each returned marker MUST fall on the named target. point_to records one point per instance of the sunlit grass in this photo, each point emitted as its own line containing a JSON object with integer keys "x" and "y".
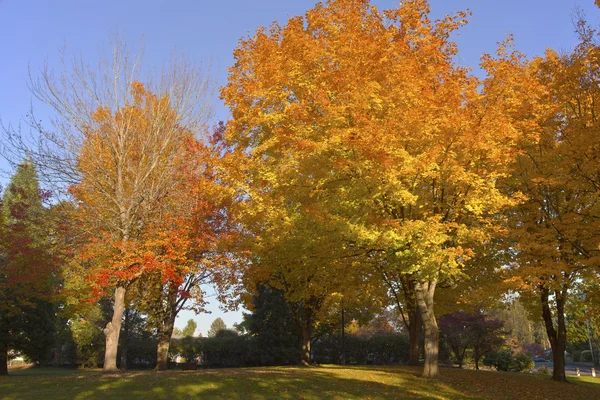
{"x": 321, "y": 382}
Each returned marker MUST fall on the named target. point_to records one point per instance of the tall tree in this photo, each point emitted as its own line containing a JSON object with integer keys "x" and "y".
{"x": 271, "y": 321}
{"x": 116, "y": 145}
{"x": 187, "y": 245}
{"x": 558, "y": 228}
{"x": 27, "y": 268}
{"x": 358, "y": 124}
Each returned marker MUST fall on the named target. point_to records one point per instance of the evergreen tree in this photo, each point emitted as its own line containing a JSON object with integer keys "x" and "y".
{"x": 26, "y": 270}
{"x": 274, "y": 326}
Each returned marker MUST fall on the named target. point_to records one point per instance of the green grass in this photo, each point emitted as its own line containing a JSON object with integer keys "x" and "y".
{"x": 589, "y": 380}
{"x": 323, "y": 382}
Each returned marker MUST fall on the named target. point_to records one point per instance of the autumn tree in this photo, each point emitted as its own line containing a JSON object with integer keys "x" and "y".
{"x": 358, "y": 124}
{"x": 455, "y": 330}
{"x": 471, "y": 331}
{"x": 188, "y": 244}
{"x": 116, "y": 144}
{"x": 558, "y": 227}
{"x": 27, "y": 268}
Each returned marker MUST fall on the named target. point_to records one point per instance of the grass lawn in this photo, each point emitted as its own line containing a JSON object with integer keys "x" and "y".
{"x": 322, "y": 382}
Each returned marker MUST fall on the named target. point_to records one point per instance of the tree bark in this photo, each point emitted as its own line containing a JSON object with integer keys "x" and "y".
{"x": 406, "y": 285}
{"x": 306, "y": 334}
{"x": 558, "y": 335}
{"x": 112, "y": 331}
{"x": 3, "y": 359}
{"x": 414, "y": 333}
{"x": 164, "y": 341}
{"x": 424, "y": 292}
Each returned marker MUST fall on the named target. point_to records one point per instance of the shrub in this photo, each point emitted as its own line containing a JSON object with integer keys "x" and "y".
{"x": 505, "y": 360}
{"x": 522, "y": 363}
{"x": 226, "y": 333}
{"x": 500, "y": 359}
{"x": 242, "y": 351}
{"x": 141, "y": 352}
{"x": 543, "y": 370}
{"x": 231, "y": 350}
{"x": 378, "y": 349}
{"x": 586, "y": 356}
{"x": 576, "y": 356}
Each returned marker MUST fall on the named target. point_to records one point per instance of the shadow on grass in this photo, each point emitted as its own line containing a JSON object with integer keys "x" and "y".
{"x": 325, "y": 382}
{"x": 35, "y": 371}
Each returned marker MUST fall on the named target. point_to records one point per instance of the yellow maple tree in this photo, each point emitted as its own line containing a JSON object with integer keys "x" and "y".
{"x": 359, "y": 122}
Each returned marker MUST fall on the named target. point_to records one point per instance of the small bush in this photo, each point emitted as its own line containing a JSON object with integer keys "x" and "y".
{"x": 500, "y": 359}
{"x": 576, "y": 356}
{"x": 522, "y": 363}
{"x": 543, "y": 370}
{"x": 505, "y": 360}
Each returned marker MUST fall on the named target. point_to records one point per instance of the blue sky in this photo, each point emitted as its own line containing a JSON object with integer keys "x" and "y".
{"x": 33, "y": 31}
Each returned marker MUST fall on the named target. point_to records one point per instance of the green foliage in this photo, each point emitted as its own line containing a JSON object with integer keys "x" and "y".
{"x": 377, "y": 349}
{"x": 88, "y": 337}
{"x": 216, "y": 326}
{"x": 228, "y": 351}
{"x": 223, "y": 333}
{"x": 141, "y": 353}
{"x": 586, "y": 356}
{"x": 543, "y": 370}
{"x": 501, "y": 360}
{"x": 34, "y": 331}
{"x": 190, "y": 328}
{"x": 522, "y": 363}
{"x": 273, "y": 327}
{"x": 244, "y": 351}
{"x": 521, "y": 327}
{"x": 27, "y": 267}
{"x": 505, "y": 360}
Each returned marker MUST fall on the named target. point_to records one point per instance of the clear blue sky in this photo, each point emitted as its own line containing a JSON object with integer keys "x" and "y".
{"x": 32, "y": 31}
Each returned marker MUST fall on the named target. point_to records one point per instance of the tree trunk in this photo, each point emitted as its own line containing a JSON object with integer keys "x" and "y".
{"x": 125, "y": 340}
{"x": 459, "y": 356}
{"x": 3, "y": 359}
{"x": 558, "y": 335}
{"x": 343, "y": 360}
{"x": 414, "y": 333}
{"x": 476, "y": 356}
{"x": 164, "y": 341}
{"x": 57, "y": 351}
{"x": 306, "y": 334}
{"x": 112, "y": 331}
{"x": 424, "y": 292}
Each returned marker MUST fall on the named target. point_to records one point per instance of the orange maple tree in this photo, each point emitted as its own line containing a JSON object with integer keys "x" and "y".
{"x": 557, "y": 230}
{"x": 359, "y": 123}
{"x": 132, "y": 165}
